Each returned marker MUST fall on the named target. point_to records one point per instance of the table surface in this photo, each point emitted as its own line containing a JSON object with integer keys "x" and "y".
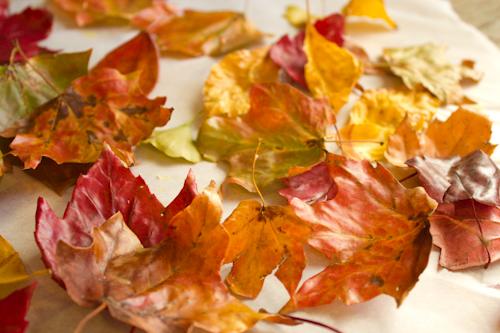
{"x": 483, "y": 14}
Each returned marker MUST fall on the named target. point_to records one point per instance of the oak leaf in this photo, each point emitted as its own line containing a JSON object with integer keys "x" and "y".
{"x": 14, "y": 309}
{"x": 377, "y": 114}
{"x": 427, "y": 65}
{"x": 289, "y": 125}
{"x": 375, "y": 233}
{"x": 198, "y": 33}
{"x": 261, "y": 239}
{"x": 176, "y": 142}
{"x": 374, "y": 9}
{"x": 109, "y": 187}
{"x": 102, "y": 107}
{"x": 441, "y": 139}
{"x": 226, "y": 90}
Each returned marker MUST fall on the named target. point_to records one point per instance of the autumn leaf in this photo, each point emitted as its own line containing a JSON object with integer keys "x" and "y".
{"x": 23, "y": 31}
{"x": 176, "y": 142}
{"x": 375, "y": 232}
{"x": 226, "y": 90}
{"x": 198, "y": 33}
{"x": 377, "y": 114}
{"x": 102, "y": 107}
{"x": 468, "y": 233}
{"x": 427, "y": 65}
{"x": 290, "y": 125}
{"x": 296, "y": 16}
{"x": 374, "y": 9}
{"x": 13, "y": 275}
{"x": 406, "y": 143}
{"x": 149, "y": 19}
{"x": 109, "y": 187}
{"x": 331, "y": 71}
{"x": 137, "y": 55}
{"x": 26, "y": 86}
{"x": 14, "y": 309}
{"x": 261, "y": 239}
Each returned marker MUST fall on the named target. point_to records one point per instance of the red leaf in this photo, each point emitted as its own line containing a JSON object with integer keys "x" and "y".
{"x": 108, "y": 188}
{"x": 13, "y": 310}
{"x": 332, "y": 28}
{"x": 27, "y": 28}
{"x": 4, "y": 8}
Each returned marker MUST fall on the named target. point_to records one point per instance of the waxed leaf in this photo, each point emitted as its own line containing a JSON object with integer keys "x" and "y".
{"x": 406, "y": 143}
{"x": 12, "y": 272}
{"x": 23, "y": 31}
{"x": 176, "y": 142}
{"x": 198, "y": 33}
{"x": 14, "y": 309}
{"x": 109, "y": 187}
{"x": 468, "y": 233}
{"x": 136, "y": 55}
{"x": 374, "y": 9}
{"x": 474, "y": 176}
{"x": 261, "y": 239}
{"x": 24, "y": 87}
{"x": 427, "y": 65}
{"x": 375, "y": 232}
{"x": 226, "y": 90}
{"x": 102, "y": 107}
{"x": 331, "y": 71}
{"x": 377, "y": 114}
{"x": 290, "y": 126}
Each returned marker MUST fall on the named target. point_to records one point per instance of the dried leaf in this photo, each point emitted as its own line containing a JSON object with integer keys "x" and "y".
{"x": 226, "y": 90}
{"x": 102, "y": 107}
{"x": 137, "y": 55}
{"x": 24, "y": 87}
{"x": 14, "y": 309}
{"x": 290, "y": 125}
{"x": 331, "y": 71}
{"x": 374, "y": 231}
{"x": 474, "y": 176}
{"x": 296, "y": 16}
{"x": 176, "y": 142}
{"x": 374, "y": 9}
{"x": 427, "y": 65}
{"x": 262, "y": 239}
{"x": 23, "y": 31}
{"x": 406, "y": 143}
{"x": 197, "y": 33}
{"x": 13, "y": 275}
{"x": 149, "y": 19}
{"x": 108, "y": 188}
{"x": 376, "y": 115}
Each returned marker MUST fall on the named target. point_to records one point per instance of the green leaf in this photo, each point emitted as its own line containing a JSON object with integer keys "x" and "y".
{"x": 176, "y": 142}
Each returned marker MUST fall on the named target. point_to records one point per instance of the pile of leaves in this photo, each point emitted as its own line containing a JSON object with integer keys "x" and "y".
{"x": 269, "y": 114}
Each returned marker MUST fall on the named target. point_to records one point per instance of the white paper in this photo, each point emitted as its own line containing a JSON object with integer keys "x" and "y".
{"x": 442, "y": 301}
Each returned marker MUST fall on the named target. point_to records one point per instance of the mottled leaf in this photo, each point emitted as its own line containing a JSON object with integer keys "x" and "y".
{"x": 374, "y": 9}
{"x": 176, "y": 142}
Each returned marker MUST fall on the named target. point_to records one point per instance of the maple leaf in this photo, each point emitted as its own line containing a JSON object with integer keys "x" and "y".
{"x": 198, "y": 33}
{"x": 290, "y": 125}
{"x": 331, "y": 71}
{"x": 109, "y": 187}
{"x": 428, "y": 66}
{"x": 368, "y": 8}
{"x": 263, "y": 238}
{"x": 406, "y": 143}
{"x": 377, "y": 114}
{"x": 226, "y": 90}
{"x": 14, "y": 309}
{"x": 137, "y": 55}
{"x": 102, "y": 107}
{"x": 374, "y": 231}
{"x": 26, "y": 86}
{"x": 468, "y": 233}
{"x": 23, "y": 31}
{"x": 474, "y": 176}
{"x": 176, "y": 142}
{"x": 13, "y": 275}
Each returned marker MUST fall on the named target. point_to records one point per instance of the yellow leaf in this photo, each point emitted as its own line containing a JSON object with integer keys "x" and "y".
{"x": 369, "y": 8}
{"x": 12, "y": 272}
{"x": 296, "y": 16}
{"x": 176, "y": 142}
{"x": 226, "y": 89}
{"x": 378, "y": 113}
{"x": 331, "y": 71}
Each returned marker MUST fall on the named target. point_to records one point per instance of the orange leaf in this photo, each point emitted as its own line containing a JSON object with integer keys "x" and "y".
{"x": 262, "y": 239}
{"x": 374, "y": 231}
{"x": 374, "y": 9}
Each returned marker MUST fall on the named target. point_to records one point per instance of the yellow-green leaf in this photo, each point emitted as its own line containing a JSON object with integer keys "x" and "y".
{"x": 176, "y": 142}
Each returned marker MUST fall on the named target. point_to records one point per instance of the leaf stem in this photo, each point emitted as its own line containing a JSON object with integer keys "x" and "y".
{"x": 254, "y": 164}
{"x": 87, "y": 318}
{"x": 407, "y": 177}
{"x": 313, "y": 322}
{"x": 41, "y": 272}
